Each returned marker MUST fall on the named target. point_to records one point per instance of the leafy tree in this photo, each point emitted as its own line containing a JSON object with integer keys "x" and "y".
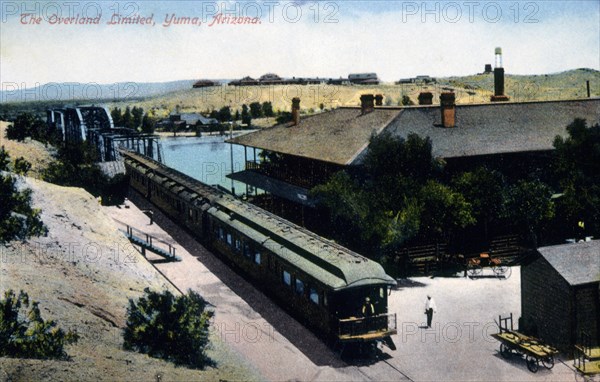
{"x": 484, "y": 190}
{"x": 284, "y": 117}
{"x": 267, "y": 109}
{"x": 117, "y": 116}
{"x": 224, "y": 114}
{"x": 148, "y": 124}
{"x": 25, "y": 334}
{"x": 390, "y": 156}
{"x": 168, "y": 327}
{"x": 21, "y": 127}
{"x": 444, "y": 211}
{"x": 577, "y": 173}
{"x": 246, "y": 118}
{"x": 4, "y": 159}
{"x": 18, "y": 220}
{"x": 528, "y": 205}
{"x": 127, "y": 118}
{"x": 22, "y": 166}
{"x": 237, "y": 115}
{"x": 256, "y": 110}
{"x": 322, "y": 106}
{"x": 214, "y": 114}
{"x": 137, "y": 114}
{"x": 406, "y": 101}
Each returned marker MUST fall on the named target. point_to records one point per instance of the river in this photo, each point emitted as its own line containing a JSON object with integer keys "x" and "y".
{"x": 206, "y": 158}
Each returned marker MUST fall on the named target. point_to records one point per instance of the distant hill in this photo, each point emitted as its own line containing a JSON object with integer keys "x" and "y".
{"x": 74, "y": 91}
{"x": 166, "y": 97}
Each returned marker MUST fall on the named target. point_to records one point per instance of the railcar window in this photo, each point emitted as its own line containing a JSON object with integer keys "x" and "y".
{"x": 287, "y": 278}
{"x": 238, "y": 245}
{"x": 257, "y": 258}
{"x": 191, "y": 212}
{"x": 299, "y": 286}
{"x": 324, "y": 298}
{"x": 314, "y": 296}
{"x": 221, "y": 233}
{"x": 381, "y": 293}
{"x": 229, "y": 239}
{"x": 247, "y": 250}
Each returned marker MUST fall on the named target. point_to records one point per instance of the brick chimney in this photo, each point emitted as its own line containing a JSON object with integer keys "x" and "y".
{"x": 378, "y": 100}
{"x": 296, "y": 111}
{"x": 366, "y": 103}
{"x": 448, "y": 106}
{"x": 425, "y": 98}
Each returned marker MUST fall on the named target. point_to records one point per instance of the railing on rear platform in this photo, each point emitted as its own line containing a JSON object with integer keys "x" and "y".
{"x": 356, "y": 328}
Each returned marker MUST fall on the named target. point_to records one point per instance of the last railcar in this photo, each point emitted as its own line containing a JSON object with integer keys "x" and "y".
{"x": 321, "y": 283}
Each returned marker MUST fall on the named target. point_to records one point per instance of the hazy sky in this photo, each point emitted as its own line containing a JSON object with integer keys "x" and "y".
{"x": 395, "y": 39}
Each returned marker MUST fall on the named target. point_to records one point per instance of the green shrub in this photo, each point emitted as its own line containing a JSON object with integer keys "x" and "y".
{"x": 168, "y": 327}
{"x": 24, "y": 334}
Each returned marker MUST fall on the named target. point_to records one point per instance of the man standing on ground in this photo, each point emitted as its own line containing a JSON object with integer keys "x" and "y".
{"x": 429, "y": 309}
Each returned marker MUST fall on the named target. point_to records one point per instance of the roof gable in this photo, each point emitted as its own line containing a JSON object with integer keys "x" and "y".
{"x": 577, "y": 263}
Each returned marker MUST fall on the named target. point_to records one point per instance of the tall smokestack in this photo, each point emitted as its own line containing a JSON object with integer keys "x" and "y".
{"x": 448, "y": 106}
{"x": 296, "y": 111}
{"x": 366, "y": 103}
{"x": 498, "y": 78}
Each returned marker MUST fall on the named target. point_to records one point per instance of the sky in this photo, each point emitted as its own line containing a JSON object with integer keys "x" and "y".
{"x": 395, "y": 39}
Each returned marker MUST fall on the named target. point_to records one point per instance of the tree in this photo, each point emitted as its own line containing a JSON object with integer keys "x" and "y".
{"x": 117, "y": 116}
{"x": 22, "y": 166}
{"x": 25, "y": 334}
{"x": 246, "y": 118}
{"x": 406, "y": 101}
{"x": 484, "y": 190}
{"x": 137, "y": 114}
{"x": 21, "y": 127}
{"x": 169, "y": 327}
{"x": 224, "y": 114}
{"x": 267, "y": 109}
{"x": 256, "y": 110}
{"x": 148, "y": 124}
{"x": 4, "y": 159}
{"x": 576, "y": 170}
{"x": 18, "y": 220}
{"x": 127, "y": 118}
{"x": 444, "y": 211}
{"x": 528, "y": 204}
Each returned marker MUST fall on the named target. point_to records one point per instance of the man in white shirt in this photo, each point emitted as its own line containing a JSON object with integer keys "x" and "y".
{"x": 429, "y": 309}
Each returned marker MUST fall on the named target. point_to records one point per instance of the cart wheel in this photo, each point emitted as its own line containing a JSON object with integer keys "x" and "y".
{"x": 504, "y": 351}
{"x": 548, "y": 362}
{"x": 500, "y": 270}
{"x": 532, "y": 364}
{"x": 474, "y": 270}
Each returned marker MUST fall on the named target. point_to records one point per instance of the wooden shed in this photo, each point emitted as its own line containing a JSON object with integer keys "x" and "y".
{"x": 560, "y": 296}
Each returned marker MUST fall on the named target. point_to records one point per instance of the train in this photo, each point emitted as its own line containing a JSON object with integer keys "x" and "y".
{"x": 324, "y": 285}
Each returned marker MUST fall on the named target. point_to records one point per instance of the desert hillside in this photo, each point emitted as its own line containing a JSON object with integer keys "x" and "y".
{"x": 82, "y": 274}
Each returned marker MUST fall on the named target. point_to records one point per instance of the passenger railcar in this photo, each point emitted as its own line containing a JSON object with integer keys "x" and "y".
{"x": 322, "y": 283}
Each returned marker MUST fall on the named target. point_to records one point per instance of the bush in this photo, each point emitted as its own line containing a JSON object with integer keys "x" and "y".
{"x": 22, "y": 166}
{"x": 25, "y": 334}
{"x": 168, "y": 327}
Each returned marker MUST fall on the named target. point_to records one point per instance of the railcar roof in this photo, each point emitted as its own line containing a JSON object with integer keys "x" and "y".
{"x": 327, "y": 261}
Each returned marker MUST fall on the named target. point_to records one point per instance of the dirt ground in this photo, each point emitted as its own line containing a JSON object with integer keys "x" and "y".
{"x": 83, "y": 273}
{"x": 458, "y": 347}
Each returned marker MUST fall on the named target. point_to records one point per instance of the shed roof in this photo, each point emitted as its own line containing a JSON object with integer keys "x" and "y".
{"x": 577, "y": 263}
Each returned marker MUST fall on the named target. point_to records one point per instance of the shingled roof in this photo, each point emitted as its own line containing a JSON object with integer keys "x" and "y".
{"x": 335, "y": 136}
{"x": 342, "y": 135}
{"x": 495, "y": 128}
{"x": 577, "y": 263}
